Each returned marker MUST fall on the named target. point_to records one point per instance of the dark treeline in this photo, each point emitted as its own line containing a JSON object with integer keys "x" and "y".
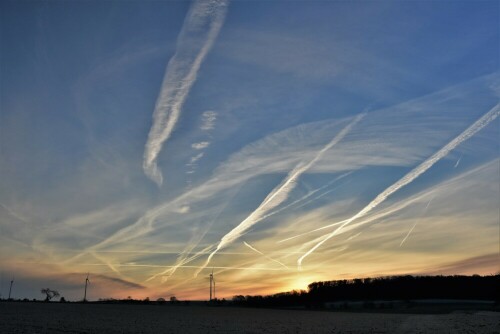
{"x": 409, "y": 287}
{"x": 384, "y": 288}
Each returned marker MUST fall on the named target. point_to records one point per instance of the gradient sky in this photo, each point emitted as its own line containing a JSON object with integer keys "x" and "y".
{"x": 151, "y": 142}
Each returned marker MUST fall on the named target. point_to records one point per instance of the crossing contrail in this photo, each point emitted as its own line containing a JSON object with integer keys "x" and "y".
{"x": 200, "y": 29}
{"x": 413, "y": 174}
{"x": 411, "y": 230}
{"x": 183, "y": 257}
{"x": 181, "y": 263}
{"x": 264, "y": 255}
{"x": 367, "y": 220}
{"x": 311, "y": 193}
{"x": 279, "y": 194}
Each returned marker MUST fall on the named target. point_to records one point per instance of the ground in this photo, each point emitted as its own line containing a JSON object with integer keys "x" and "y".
{"x": 16, "y": 317}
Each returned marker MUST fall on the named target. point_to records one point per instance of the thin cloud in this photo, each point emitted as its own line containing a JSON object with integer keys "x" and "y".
{"x": 13, "y": 213}
{"x": 279, "y": 194}
{"x": 400, "y": 205}
{"x": 201, "y": 145}
{"x": 196, "y": 158}
{"x": 431, "y": 122}
{"x": 416, "y": 222}
{"x": 413, "y": 174}
{"x": 266, "y": 256}
{"x": 200, "y": 29}
{"x": 468, "y": 266}
{"x": 183, "y": 209}
{"x": 208, "y": 120}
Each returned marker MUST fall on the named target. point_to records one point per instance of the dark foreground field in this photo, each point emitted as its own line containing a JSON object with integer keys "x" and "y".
{"x": 108, "y": 318}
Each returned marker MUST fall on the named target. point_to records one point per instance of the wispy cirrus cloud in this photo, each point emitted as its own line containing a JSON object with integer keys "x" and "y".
{"x": 279, "y": 194}
{"x": 208, "y": 120}
{"x": 489, "y": 117}
{"x": 264, "y": 255}
{"x": 200, "y": 145}
{"x": 200, "y": 29}
{"x": 385, "y": 138}
{"x": 467, "y": 266}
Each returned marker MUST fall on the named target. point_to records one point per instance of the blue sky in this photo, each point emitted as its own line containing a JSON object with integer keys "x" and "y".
{"x": 147, "y": 142}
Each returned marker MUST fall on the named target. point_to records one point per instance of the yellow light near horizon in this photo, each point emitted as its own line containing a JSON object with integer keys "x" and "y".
{"x": 300, "y": 283}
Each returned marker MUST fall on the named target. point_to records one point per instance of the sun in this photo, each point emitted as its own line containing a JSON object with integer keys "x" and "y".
{"x": 300, "y": 283}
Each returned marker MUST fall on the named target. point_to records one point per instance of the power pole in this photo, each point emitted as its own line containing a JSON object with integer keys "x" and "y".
{"x": 85, "y": 293}
{"x": 211, "y": 281}
{"x": 10, "y": 289}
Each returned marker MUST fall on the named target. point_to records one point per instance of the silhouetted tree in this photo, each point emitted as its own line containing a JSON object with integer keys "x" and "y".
{"x": 383, "y": 288}
{"x": 239, "y": 299}
{"x": 49, "y": 294}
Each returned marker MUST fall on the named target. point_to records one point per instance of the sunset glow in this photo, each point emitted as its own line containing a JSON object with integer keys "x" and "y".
{"x": 273, "y": 143}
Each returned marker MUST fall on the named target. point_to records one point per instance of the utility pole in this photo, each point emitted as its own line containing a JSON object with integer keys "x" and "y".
{"x": 10, "y": 289}
{"x": 85, "y": 293}
{"x": 211, "y": 281}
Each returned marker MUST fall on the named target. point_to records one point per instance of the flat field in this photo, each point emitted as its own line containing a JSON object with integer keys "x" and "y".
{"x": 17, "y": 317}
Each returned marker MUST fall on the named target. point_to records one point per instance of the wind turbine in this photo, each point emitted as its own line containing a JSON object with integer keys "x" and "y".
{"x": 85, "y": 293}
{"x": 10, "y": 289}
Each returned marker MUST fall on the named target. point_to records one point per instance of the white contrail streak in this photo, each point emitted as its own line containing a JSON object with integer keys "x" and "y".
{"x": 367, "y": 220}
{"x": 13, "y": 214}
{"x": 200, "y": 29}
{"x": 279, "y": 194}
{"x": 411, "y": 230}
{"x": 321, "y": 195}
{"x": 109, "y": 265}
{"x": 458, "y": 161}
{"x": 264, "y": 255}
{"x": 183, "y": 257}
{"x": 181, "y": 262}
{"x": 413, "y": 174}
{"x": 154, "y": 266}
{"x": 309, "y": 232}
{"x": 303, "y": 198}
{"x": 353, "y": 236}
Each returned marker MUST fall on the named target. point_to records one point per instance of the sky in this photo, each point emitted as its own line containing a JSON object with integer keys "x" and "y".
{"x": 273, "y": 143}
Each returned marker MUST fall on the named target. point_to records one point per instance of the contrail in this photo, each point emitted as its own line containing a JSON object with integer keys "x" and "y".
{"x": 458, "y": 161}
{"x": 387, "y": 211}
{"x": 311, "y": 193}
{"x": 181, "y": 263}
{"x": 409, "y": 232}
{"x": 222, "y": 270}
{"x": 309, "y": 232}
{"x": 264, "y": 255}
{"x": 366, "y": 221}
{"x": 278, "y": 195}
{"x": 322, "y": 195}
{"x": 155, "y": 266}
{"x": 353, "y": 236}
{"x": 109, "y": 265}
{"x": 413, "y": 174}
{"x": 183, "y": 257}
{"x": 200, "y": 29}
{"x": 12, "y": 213}
{"x": 141, "y": 226}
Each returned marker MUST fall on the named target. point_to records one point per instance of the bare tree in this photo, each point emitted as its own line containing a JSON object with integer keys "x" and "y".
{"x": 49, "y": 294}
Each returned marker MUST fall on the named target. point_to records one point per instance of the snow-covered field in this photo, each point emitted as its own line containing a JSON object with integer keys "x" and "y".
{"x": 99, "y": 318}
